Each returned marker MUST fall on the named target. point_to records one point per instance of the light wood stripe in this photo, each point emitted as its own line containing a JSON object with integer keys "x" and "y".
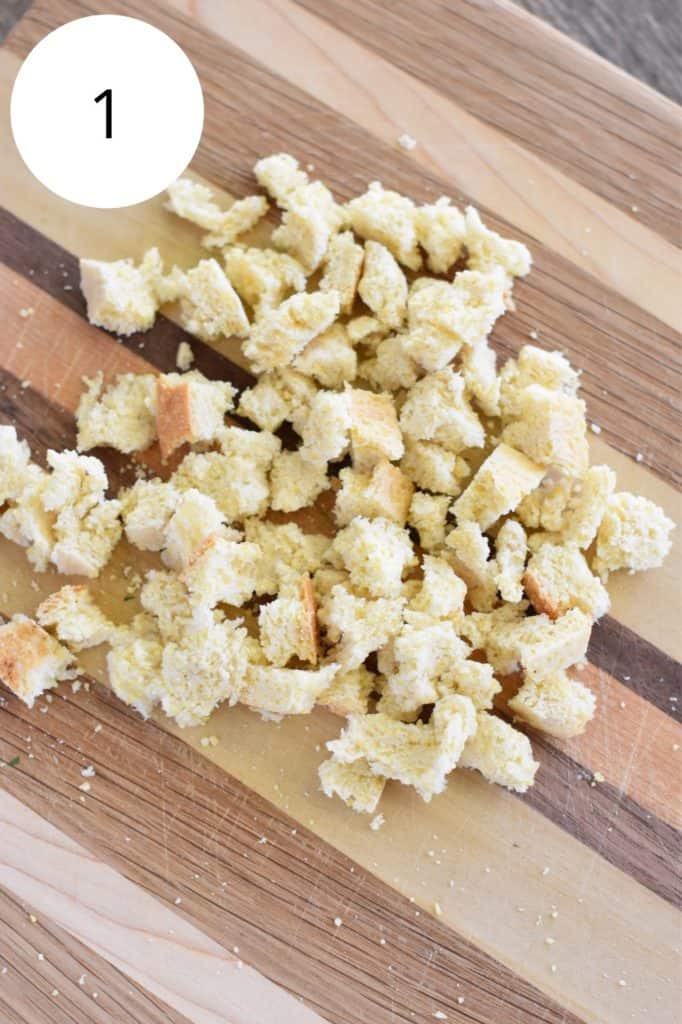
{"x": 464, "y": 152}
{"x": 132, "y": 930}
{"x": 47, "y": 976}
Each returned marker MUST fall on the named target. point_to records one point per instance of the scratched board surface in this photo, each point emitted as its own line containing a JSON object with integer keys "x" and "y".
{"x": 215, "y": 883}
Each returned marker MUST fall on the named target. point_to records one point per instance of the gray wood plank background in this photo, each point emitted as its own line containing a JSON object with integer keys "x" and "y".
{"x": 642, "y": 36}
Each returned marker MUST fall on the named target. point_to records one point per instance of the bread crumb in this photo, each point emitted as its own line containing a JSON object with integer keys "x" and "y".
{"x": 406, "y": 141}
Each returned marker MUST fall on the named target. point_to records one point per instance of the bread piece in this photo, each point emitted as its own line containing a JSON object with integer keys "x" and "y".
{"x": 384, "y": 492}
{"x": 558, "y": 578}
{"x": 342, "y": 268}
{"x": 374, "y": 431}
{"x": 288, "y": 625}
{"x": 417, "y": 755}
{"x": 30, "y": 525}
{"x": 195, "y": 519}
{"x": 538, "y": 645}
{"x": 383, "y": 287}
{"x": 121, "y": 297}
{"x": 586, "y": 506}
{"x": 295, "y": 482}
{"x": 17, "y": 472}
{"x": 222, "y": 570}
{"x": 433, "y": 467}
{"x": 355, "y": 784}
{"x": 134, "y": 664}
{"x": 472, "y": 679}
{"x": 277, "y": 396}
{"x": 436, "y": 409}
{"x": 77, "y": 482}
{"x": 501, "y": 754}
{"x": 209, "y": 306}
{"x": 279, "y": 175}
{"x": 286, "y": 691}
{"x": 534, "y": 365}
{"x": 550, "y": 428}
{"x": 84, "y": 544}
{"x": 358, "y": 625}
{"x": 427, "y": 515}
{"x": 557, "y": 705}
{"x": 122, "y": 417}
{"x": 634, "y": 534}
{"x": 415, "y": 660}
{"x": 311, "y": 218}
{"x": 510, "y": 558}
{"x": 146, "y": 508}
{"x": 479, "y": 627}
{"x": 194, "y": 202}
{"x": 167, "y": 600}
{"x": 376, "y": 553}
{"x": 326, "y": 428}
{"x": 288, "y": 552}
{"x": 366, "y": 331}
{"x": 329, "y": 358}
{"x": 389, "y": 218}
{"x": 280, "y": 334}
{"x": 184, "y": 357}
{"x": 263, "y": 278}
{"x": 441, "y": 232}
{"x": 487, "y": 250}
{"x": 479, "y": 369}
{"x": 501, "y": 482}
{"x": 390, "y": 368}
{"x": 31, "y": 661}
{"x": 237, "y": 484}
{"x": 189, "y": 409}
{"x": 349, "y": 692}
{"x": 441, "y": 592}
{"x": 469, "y": 552}
{"x": 77, "y": 619}
{"x": 201, "y": 670}
{"x": 545, "y": 507}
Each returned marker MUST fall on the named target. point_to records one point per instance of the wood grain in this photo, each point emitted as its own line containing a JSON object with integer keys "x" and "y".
{"x": 48, "y": 977}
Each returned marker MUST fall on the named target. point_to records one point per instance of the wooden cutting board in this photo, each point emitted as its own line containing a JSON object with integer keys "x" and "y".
{"x": 215, "y": 883}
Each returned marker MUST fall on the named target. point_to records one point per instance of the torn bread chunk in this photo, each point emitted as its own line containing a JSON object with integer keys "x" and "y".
{"x": 166, "y": 598}
{"x": 32, "y": 661}
{"x": 558, "y": 578}
{"x": 415, "y": 660}
{"x": 478, "y": 366}
{"x": 441, "y": 232}
{"x": 557, "y": 705}
{"x": 374, "y": 431}
{"x": 146, "y": 508}
{"x": 121, "y": 417}
{"x": 537, "y": 644}
{"x": 84, "y": 544}
{"x": 287, "y": 552}
{"x": 390, "y": 368}
{"x": 223, "y": 570}
{"x": 383, "y": 216}
{"x": 288, "y": 625}
{"x": 310, "y": 220}
{"x": 586, "y": 506}
{"x": 366, "y": 331}
{"x": 237, "y": 482}
{"x": 189, "y": 409}
{"x": 277, "y": 396}
{"x": 279, "y": 175}
{"x": 511, "y": 549}
{"x": 241, "y": 217}
{"x": 349, "y": 692}
{"x": 295, "y": 482}
{"x": 194, "y": 202}
{"x": 357, "y": 625}
{"x": 134, "y": 663}
{"x": 550, "y": 429}
{"x": 501, "y": 754}
{"x": 195, "y": 518}
{"x": 634, "y": 534}
{"x": 18, "y": 473}
{"x": 30, "y": 525}
{"x": 486, "y": 250}
{"x": 77, "y": 620}
{"x": 534, "y": 365}
{"x": 342, "y": 269}
{"x": 417, "y": 755}
{"x": 386, "y": 491}
{"x": 263, "y": 278}
{"x": 469, "y": 551}
{"x": 280, "y": 334}
{"x": 286, "y": 691}
{"x": 209, "y": 306}
{"x": 434, "y": 468}
{"x": 77, "y": 482}
{"x": 326, "y": 428}
{"x": 201, "y": 670}
{"x": 441, "y": 592}
{"x": 428, "y": 516}
{"x": 545, "y": 507}
{"x": 355, "y": 784}
{"x": 121, "y": 297}
{"x": 383, "y": 287}
{"x": 473, "y": 679}
{"x": 329, "y": 358}
{"x": 501, "y": 482}
{"x": 437, "y": 409}
{"x": 376, "y": 553}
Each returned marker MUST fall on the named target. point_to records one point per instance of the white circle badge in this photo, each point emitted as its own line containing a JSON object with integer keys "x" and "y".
{"x": 107, "y": 111}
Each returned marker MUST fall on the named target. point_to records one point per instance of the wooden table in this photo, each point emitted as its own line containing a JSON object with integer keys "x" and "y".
{"x": 206, "y": 884}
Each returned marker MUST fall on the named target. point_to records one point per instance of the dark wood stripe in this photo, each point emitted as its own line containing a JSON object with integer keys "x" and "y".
{"x": 637, "y": 664}
{"x": 629, "y": 358}
{"x": 278, "y": 898}
{"x": 607, "y": 821}
{"x": 105, "y": 996}
{"x": 581, "y": 116}
{"x": 51, "y": 267}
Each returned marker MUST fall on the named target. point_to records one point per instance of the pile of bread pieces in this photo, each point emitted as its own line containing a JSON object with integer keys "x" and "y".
{"x": 470, "y": 539}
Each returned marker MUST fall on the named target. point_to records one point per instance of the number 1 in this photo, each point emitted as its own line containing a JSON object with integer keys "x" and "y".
{"x": 106, "y": 95}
